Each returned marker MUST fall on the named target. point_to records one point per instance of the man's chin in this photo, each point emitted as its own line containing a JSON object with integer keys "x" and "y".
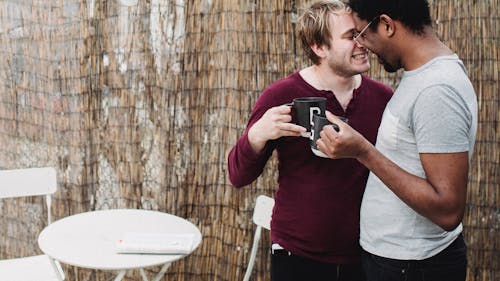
{"x": 389, "y": 68}
{"x": 358, "y": 70}
{"x": 363, "y": 68}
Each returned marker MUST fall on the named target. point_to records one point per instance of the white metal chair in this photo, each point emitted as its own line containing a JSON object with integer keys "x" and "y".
{"x": 23, "y": 183}
{"x": 262, "y": 218}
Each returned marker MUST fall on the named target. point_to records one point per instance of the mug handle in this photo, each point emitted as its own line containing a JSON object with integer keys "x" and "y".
{"x": 336, "y": 127}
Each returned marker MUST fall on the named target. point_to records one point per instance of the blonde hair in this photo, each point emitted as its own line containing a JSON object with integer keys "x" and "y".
{"x": 314, "y": 25}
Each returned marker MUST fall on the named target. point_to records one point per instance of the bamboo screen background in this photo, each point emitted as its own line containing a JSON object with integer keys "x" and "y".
{"x": 138, "y": 106}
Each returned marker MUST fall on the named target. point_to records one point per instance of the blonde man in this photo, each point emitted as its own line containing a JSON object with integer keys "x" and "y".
{"x": 315, "y": 221}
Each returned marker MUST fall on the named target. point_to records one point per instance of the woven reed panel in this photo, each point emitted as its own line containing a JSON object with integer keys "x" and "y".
{"x": 137, "y": 107}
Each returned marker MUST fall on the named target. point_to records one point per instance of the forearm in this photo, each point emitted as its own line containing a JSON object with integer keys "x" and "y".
{"x": 256, "y": 141}
{"x": 244, "y": 165}
{"x": 437, "y": 202}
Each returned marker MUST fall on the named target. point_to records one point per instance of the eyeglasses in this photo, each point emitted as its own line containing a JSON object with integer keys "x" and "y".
{"x": 355, "y": 37}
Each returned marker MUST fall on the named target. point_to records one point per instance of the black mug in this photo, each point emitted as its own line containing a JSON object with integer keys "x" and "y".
{"x": 319, "y": 121}
{"x": 303, "y": 110}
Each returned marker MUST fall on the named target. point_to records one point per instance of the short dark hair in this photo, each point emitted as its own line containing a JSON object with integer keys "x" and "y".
{"x": 414, "y": 14}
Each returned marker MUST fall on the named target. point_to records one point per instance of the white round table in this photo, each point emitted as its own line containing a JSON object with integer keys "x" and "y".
{"x": 88, "y": 240}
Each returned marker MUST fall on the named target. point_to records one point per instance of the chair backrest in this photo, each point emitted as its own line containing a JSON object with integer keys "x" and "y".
{"x": 262, "y": 218}
{"x": 262, "y": 211}
{"x": 29, "y": 182}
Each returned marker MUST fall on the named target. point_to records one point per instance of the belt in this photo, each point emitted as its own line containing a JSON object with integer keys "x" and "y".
{"x": 276, "y": 248}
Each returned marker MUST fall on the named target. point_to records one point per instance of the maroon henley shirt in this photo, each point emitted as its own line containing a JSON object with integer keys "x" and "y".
{"x": 317, "y": 202}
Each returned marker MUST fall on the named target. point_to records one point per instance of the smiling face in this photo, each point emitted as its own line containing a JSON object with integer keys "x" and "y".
{"x": 377, "y": 43}
{"x": 344, "y": 57}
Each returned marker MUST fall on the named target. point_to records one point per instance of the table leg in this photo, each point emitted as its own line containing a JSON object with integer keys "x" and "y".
{"x": 120, "y": 275}
{"x": 162, "y": 272}
{"x": 57, "y": 269}
{"x": 143, "y": 274}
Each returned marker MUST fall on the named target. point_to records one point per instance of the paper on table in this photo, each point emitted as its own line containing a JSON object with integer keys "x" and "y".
{"x": 155, "y": 243}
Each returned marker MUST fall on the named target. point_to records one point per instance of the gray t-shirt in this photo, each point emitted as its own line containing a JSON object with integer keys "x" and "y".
{"x": 434, "y": 110}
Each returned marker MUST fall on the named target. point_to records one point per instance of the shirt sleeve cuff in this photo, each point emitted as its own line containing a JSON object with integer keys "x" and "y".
{"x": 247, "y": 150}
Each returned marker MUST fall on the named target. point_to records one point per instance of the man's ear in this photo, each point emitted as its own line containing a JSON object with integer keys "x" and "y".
{"x": 320, "y": 51}
{"x": 388, "y": 24}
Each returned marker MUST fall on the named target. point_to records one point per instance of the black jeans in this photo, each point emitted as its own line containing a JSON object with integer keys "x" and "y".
{"x": 289, "y": 267}
{"x": 450, "y": 265}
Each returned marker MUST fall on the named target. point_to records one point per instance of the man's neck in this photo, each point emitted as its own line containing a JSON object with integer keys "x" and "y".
{"x": 322, "y": 78}
{"x": 420, "y": 49}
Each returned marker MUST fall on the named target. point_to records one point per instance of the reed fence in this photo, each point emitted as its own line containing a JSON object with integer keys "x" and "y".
{"x": 137, "y": 107}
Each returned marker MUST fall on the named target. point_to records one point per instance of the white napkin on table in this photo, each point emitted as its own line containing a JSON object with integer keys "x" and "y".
{"x": 155, "y": 243}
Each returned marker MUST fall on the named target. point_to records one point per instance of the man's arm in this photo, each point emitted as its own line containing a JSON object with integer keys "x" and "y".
{"x": 440, "y": 197}
{"x": 247, "y": 158}
{"x": 275, "y": 123}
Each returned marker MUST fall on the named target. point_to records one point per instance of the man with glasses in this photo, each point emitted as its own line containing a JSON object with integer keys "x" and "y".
{"x": 415, "y": 196}
{"x": 315, "y": 220}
